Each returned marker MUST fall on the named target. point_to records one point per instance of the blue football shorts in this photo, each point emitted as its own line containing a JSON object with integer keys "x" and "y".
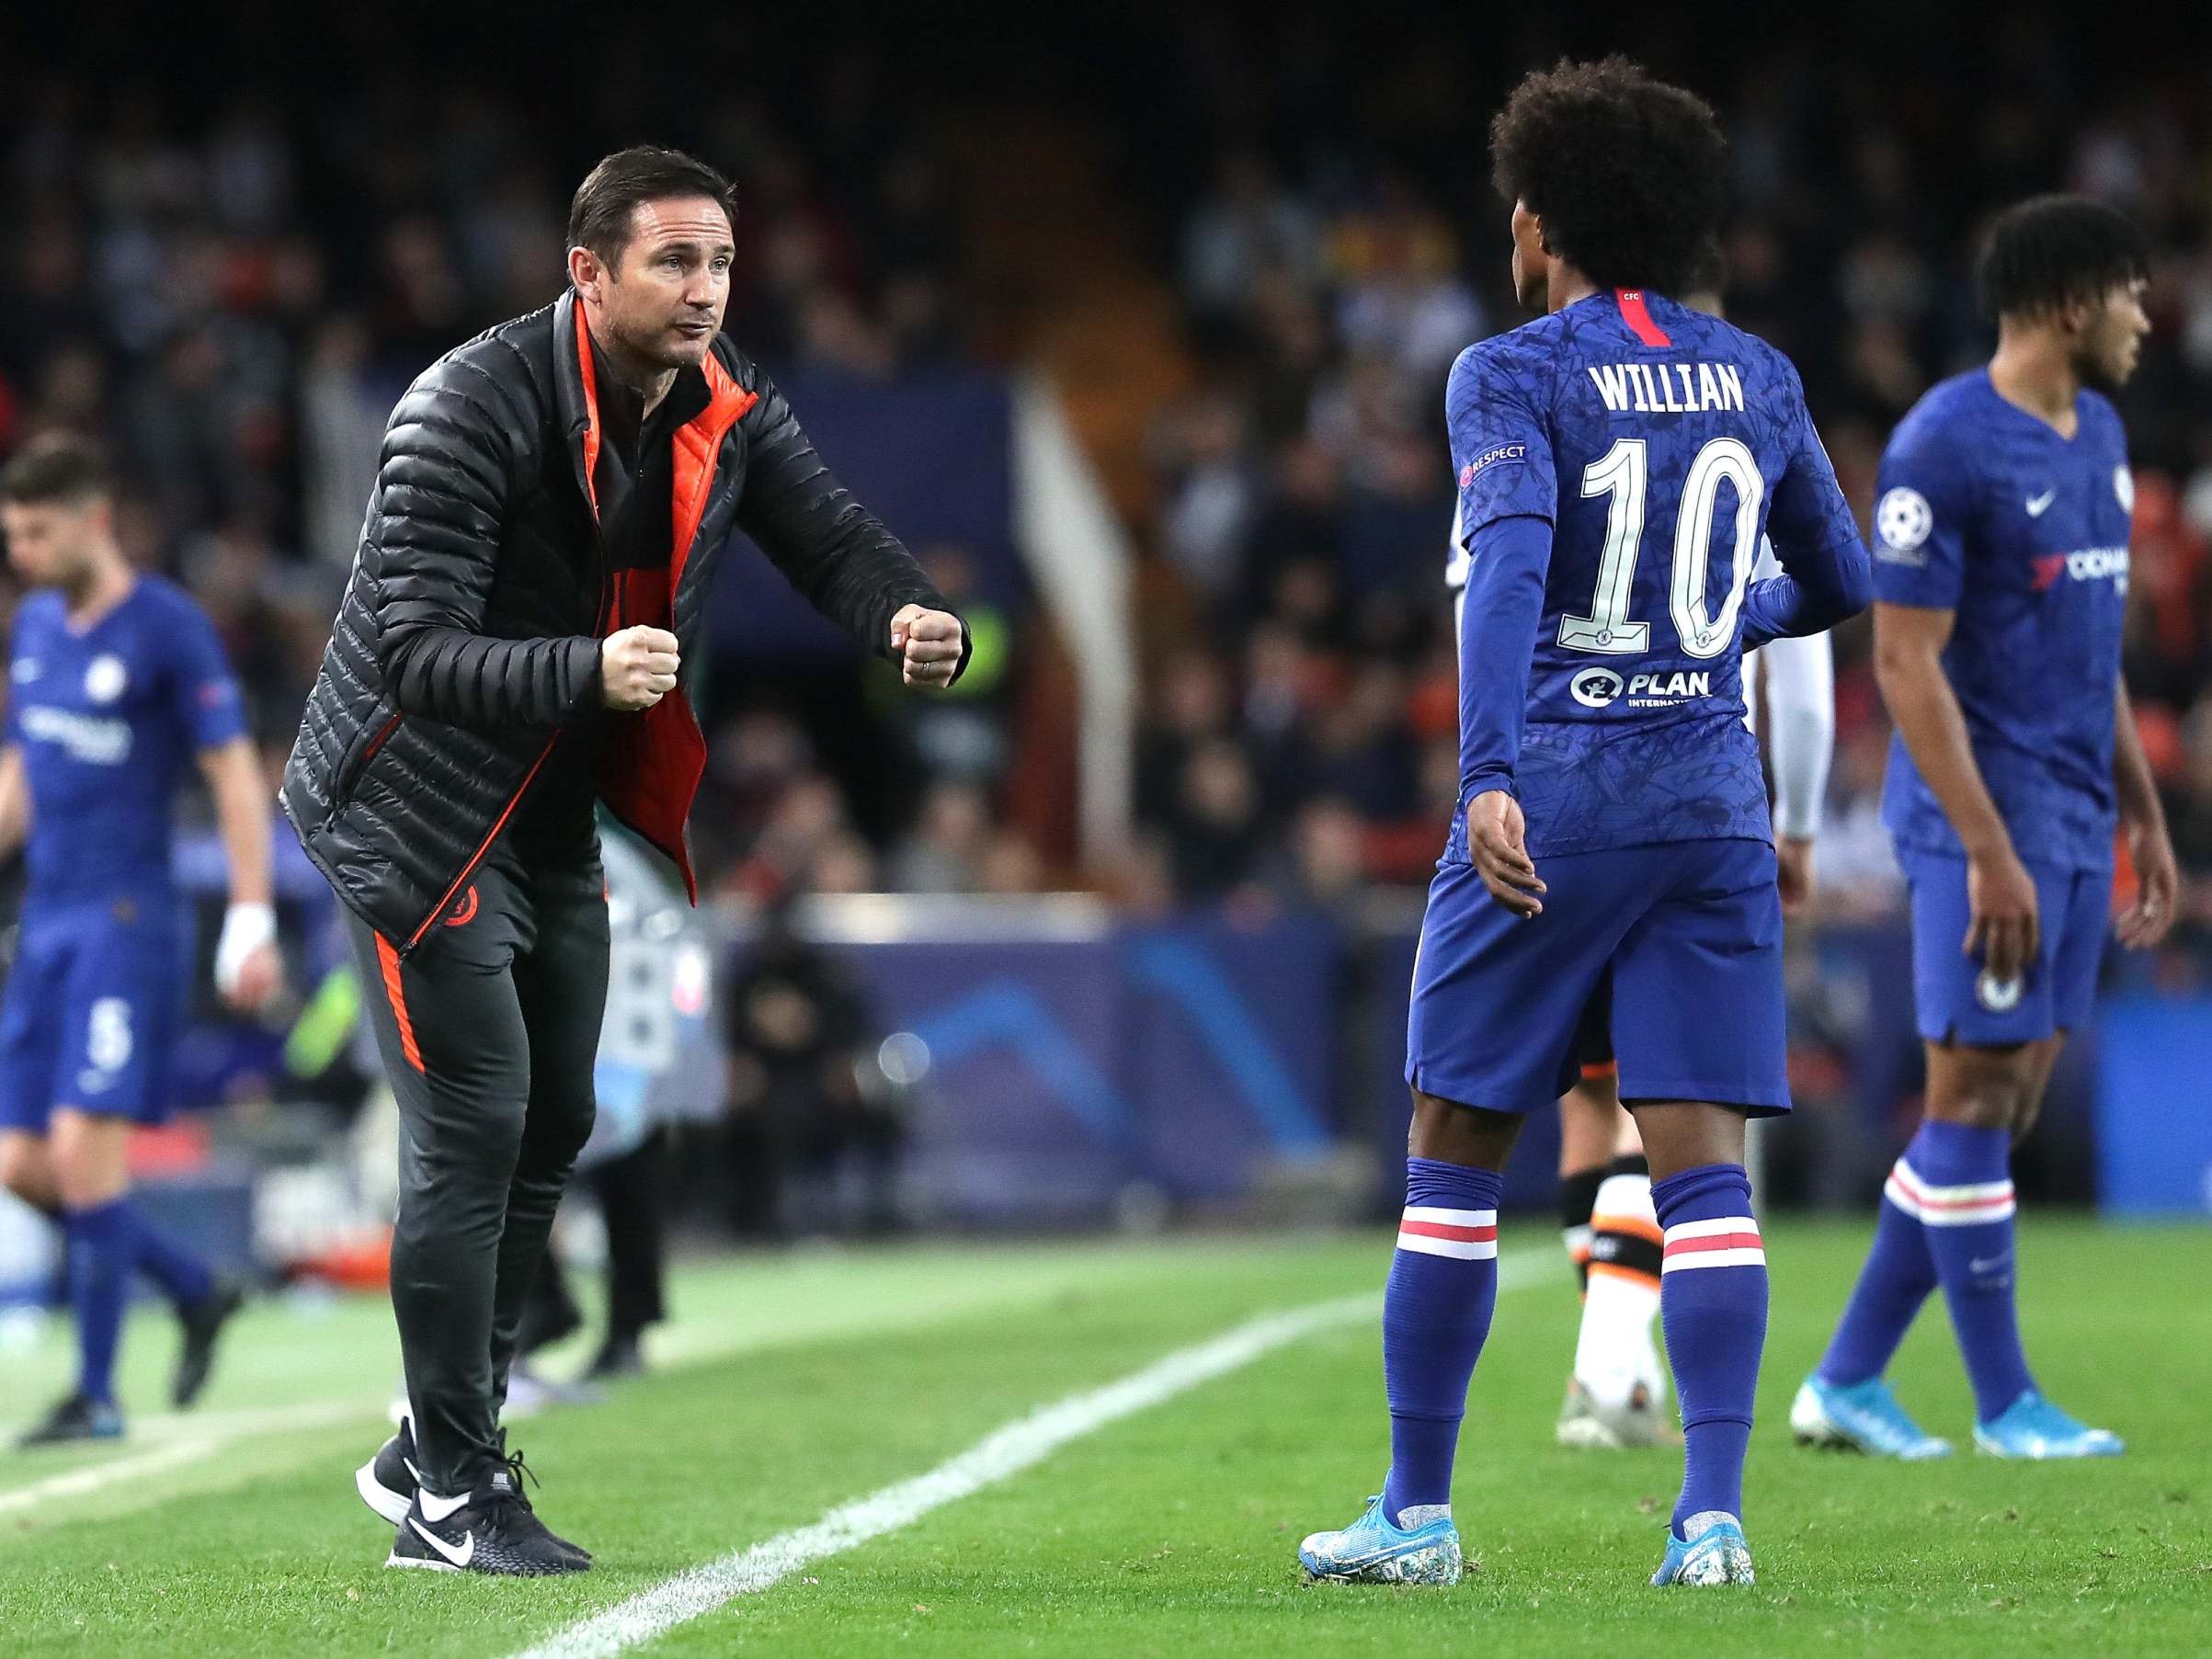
{"x": 93, "y": 1000}
{"x": 1689, "y": 935}
{"x": 1955, "y": 997}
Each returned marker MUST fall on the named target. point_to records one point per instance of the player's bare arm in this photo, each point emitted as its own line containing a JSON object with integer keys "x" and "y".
{"x": 2158, "y": 881}
{"x": 1907, "y": 664}
{"x": 1798, "y": 677}
{"x": 248, "y": 967}
{"x": 15, "y": 802}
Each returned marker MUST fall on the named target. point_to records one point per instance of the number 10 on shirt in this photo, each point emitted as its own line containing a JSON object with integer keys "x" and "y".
{"x": 1620, "y": 472}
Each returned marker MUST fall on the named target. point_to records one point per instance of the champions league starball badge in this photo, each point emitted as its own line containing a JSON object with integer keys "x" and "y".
{"x": 1998, "y": 995}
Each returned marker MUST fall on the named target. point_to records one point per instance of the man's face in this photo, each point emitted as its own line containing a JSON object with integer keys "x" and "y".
{"x": 1531, "y": 264}
{"x": 49, "y": 542}
{"x": 663, "y": 298}
{"x": 2109, "y": 337}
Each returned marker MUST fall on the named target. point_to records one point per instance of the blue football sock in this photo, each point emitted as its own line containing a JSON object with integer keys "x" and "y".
{"x": 182, "y": 1276}
{"x": 99, "y": 1277}
{"x": 1898, "y": 1277}
{"x": 1712, "y": 1305}
{"x": 1436, "y": 1312}
{"x": 1962, "y": 1180}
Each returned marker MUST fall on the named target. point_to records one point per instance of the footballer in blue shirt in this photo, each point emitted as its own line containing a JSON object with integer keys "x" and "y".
{"x": 2000, "y": 589}
{"x": 1618, "y": 461}
{"x": 116, "y": 681}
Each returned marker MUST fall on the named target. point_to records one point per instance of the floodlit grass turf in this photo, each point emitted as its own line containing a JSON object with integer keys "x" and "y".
{"x": 1171, "y": 1533}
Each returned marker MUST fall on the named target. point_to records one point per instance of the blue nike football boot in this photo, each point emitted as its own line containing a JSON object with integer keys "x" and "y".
{"x": 2034, "y": 1428}
{"x": 1711, "y": 1552}
{"x": 1375, "y": 1551}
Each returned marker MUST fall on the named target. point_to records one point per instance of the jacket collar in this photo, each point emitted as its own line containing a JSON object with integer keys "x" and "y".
{"x": 572, "y": 403}
{"x": 720, "y": 402}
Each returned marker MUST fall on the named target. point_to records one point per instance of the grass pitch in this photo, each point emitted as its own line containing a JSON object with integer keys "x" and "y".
{"x": 795, "y": 1385}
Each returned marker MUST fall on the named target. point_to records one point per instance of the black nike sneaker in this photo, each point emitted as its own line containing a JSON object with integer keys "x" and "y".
{"x": 387, "y": 1482}
{"x": 78, "y": 1418}
{"x": 202, "y": 1322}
{"x": 493, "y": 1529}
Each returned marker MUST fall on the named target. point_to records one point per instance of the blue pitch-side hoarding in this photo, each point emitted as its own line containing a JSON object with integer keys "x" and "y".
{"x": 2154, "y": 1130}
{"x": 1062, "y": 1071}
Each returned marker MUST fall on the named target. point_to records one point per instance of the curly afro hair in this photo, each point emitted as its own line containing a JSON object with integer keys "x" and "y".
{"x": 2049, "y": 251}
{"x": 1625, "y": 171}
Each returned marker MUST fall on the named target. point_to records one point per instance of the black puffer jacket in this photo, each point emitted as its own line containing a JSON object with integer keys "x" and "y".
{"x": 469, "y": 636}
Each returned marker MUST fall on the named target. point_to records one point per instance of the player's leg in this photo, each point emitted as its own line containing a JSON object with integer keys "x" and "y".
{"x": 1437, "y": 1305}
{"x": 1441, "y": 1294}
{"x": 1982, "y": 1102}
{"x": 1846, "y": 1402}
{"x": 1618, "y": 1394}
{"x": 32, "y": 1019}
{"x": 1957, "y": 1173}
{"x": 125, "y": 1002}
{"x": 27, "y": 1171}
{"x": 1948, "y": 1206}
{"x": 1714, "y": 1309}
{"x": 31, "y": 1012}
{"x": 117, "y": 989}
{"x": 1494, "y": 1009}
{"x": 1587, "y": 1118}
{"x": 1698, "y": 1020}
{"x": 1585, "y": 1155}
{"x": 90, "y": 1177}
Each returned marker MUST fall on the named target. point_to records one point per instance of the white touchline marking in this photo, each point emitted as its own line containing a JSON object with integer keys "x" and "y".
{"x": 79, "y": 1481}
{"x": 1003, "y": 1452}
{"x": 217, "y": 1432}
{"x": 182, "y": 1437}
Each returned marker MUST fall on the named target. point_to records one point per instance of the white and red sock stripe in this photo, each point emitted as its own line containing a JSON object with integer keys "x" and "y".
{"x": 1471, "y": 1236}
{"x": 1727, "y": 1241}
{"x": 1934, "y": 1206}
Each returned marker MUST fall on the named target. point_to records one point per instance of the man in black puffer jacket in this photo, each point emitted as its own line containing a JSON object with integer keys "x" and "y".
{"x": 552, "y": 501}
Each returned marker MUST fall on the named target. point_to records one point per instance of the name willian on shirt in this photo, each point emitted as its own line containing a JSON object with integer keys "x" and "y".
{"x": 1668, "y": 387}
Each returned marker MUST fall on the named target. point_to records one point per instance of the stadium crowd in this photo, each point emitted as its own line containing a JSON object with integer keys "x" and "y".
{"x": 1341, "y": 249}
{"x": 232, "y": 295}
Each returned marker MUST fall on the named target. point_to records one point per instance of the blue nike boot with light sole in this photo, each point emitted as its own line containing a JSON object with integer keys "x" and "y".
{"x": 1710, "y": 1551}
{"x": 1864, "y": 1416}
{"x": 1376, "y": 1551}
{"x": 2033, "y": 1428}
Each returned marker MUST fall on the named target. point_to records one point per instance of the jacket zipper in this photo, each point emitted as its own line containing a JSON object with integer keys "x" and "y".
{"x": 476, "y": 857}
{"x": 598, "y": 533}
{"x": 507, "y": 811}
{"x": 376, "y": 742}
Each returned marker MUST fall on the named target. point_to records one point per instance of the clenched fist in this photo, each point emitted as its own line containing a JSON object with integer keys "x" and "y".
{"x": 929, "y": 643}
{"x": 637, "y": 668}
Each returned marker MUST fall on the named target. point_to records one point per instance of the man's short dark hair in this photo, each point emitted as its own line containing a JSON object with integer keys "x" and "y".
{"x": 600, "y": 216}
{"x": 1625, "y": 171}
{"x": 2049, "y": 251}
{"x": 57, "y": 468}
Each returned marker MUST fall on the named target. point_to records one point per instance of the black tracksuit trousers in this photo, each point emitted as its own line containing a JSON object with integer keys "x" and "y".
{"x": 489, "y": 1032}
